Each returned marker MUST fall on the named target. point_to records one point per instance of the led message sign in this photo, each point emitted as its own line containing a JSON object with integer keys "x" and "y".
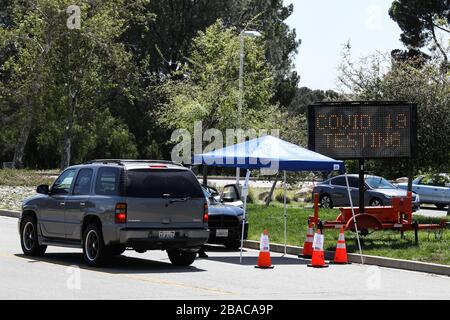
{"x": 363, "y": 130}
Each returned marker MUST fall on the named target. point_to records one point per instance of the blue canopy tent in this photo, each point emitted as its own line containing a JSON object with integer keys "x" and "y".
{"x": 271, "y": 153}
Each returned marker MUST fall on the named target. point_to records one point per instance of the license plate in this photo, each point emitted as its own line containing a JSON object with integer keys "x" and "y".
{"x": 222, "y": 233}
{"x": 166, "y": 235}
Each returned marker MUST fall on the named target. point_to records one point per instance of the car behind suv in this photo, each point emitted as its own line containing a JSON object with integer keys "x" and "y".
{"x": 378, "y": 192}
{"x": 108, "y": 206}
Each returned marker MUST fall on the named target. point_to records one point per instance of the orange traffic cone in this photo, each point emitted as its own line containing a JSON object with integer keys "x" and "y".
{"x": 340, "y": 257}
{"x": 307, "y": 246}
{"x": 318, "y": 259}
{"x": 264, "y": 252}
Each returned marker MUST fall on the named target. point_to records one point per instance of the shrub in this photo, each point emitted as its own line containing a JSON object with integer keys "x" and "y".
{"x": 280, "y": 198}
{"x": 251, "y": 196}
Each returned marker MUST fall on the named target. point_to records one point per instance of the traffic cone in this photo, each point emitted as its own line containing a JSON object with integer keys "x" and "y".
{"x": 340, "y": 256}
{"x": 264, "y": 252}
{"x": 318, "y": 259}
{"x": 307, "y": 246}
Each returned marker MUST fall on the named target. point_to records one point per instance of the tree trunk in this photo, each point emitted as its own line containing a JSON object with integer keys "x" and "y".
{"x": 67, "y": 142}
{"x": 23, "y": 138}
{"x": 269, "y": 197}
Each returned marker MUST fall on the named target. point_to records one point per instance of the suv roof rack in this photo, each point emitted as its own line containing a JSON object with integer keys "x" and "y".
{"x": 121, "y": 162}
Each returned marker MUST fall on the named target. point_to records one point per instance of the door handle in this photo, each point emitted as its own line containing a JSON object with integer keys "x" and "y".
{"x": 62, "y": 204}
{"x": 82, "y": 204}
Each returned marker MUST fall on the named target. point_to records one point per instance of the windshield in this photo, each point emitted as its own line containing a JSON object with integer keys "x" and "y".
{"x": 379, "y": 183}
{"x": 209, "y": 196}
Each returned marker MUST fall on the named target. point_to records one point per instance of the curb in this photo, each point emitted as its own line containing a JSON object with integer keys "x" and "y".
{"x": 9, "y": 213}
{"x": 369, "y": 260}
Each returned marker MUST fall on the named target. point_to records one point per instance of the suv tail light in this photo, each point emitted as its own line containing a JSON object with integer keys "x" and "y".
{"x": 205, "y": 213}
{"x": 158, "y": 166}
{"x": 121, "y": 213}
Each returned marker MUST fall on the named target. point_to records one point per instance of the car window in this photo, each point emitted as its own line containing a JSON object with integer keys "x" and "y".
{"x": 230, "y": 193}
{"x": 338, "y": 181}
{"x": 353, "y": 182}
{"x": 151, "y": 183}
{"x": 107, "y": 182}
{"x": 83, "y": 182}
{"x": 379, "y": 183}
{"x": 64, "y": 182}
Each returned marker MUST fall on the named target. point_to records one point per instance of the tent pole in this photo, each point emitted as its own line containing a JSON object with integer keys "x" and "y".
{"x": 245, "y": 192}
{"x": 353, "y": 214}
{"x": 285, "y": 212}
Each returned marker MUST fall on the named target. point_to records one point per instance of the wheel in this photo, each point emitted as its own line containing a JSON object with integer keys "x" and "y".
{"x": 181, "y": 258}
{"x": 325, "y": 201}
{"x": 117, "y": 250}
{"x": 375, "y": 202}
{"x": 29, "y": 238}
{"x": 440, "y": 206}
{"x": 94, "y": 250}
{"x": 233, "y": 245}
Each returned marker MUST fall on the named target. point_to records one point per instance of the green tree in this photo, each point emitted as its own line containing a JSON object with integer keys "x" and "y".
{"x": 206, "y": 89}
{"x": 420, "y": 22}
{"x": 68, "y": 75}
{"x": 165, "y": 43}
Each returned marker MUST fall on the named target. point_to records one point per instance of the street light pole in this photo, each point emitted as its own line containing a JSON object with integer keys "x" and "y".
{"x": 241, "y": 89}
{"x": 241, "y": 82}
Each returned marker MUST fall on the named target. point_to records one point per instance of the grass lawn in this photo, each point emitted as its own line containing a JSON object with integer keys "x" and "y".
{"x": 380, "y": 243}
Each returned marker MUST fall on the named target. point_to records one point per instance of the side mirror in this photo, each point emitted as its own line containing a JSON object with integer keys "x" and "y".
{"x": 228, "y": 199}
{"x": 43, "y": 188}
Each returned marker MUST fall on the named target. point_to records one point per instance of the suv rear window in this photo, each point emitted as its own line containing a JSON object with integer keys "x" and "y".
{"x": 145, "y": 183}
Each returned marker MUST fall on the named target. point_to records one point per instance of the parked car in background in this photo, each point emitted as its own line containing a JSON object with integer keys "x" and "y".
{"x": 378, "y": 192}
{"x": 433, "y": 189}
{"x": 107, "y": 206}
{"x": 225, "y": 222}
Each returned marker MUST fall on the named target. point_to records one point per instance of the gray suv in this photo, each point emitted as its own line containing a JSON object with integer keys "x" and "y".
{"x": 108, "y": 206}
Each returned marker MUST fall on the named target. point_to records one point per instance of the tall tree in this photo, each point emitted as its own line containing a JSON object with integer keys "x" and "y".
{"x": 420, "y": 22}
{"x": 79, "y": 67}
{"x": 206, "y": 89}
{"x": 164, "y": 45}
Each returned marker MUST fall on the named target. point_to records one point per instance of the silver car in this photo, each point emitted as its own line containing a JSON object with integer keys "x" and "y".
{"x": 433, "y": 189}
{"x": 378, "y": 192}
{"x": 107, "y": 206}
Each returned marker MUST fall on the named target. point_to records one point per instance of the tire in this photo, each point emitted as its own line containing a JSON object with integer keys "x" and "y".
{"x": 180, "y": 258}
{"x": 325, "y": 201}
{"x": 374, "y": 202}
{"x": 233, "y": 245}
{"x": 116, "y": 250}
{"x": 440, "y": 206}
{"x": 94, "y": 249}
{"x": 29, "y": 238}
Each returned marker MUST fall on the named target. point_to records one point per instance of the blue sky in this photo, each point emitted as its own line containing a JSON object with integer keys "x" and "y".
{"x": 325, "y": 25}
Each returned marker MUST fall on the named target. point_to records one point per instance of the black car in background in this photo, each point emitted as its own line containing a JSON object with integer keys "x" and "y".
{"x": 225, "y": 222}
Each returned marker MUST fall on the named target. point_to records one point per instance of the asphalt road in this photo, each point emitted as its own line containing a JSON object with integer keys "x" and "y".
{"x": 431, "y": 211}
{"x": 60, "y": 275}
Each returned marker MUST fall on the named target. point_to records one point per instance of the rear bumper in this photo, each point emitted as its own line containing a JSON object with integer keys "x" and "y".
{"x": 148, "y": 239}
{"x": 234, "y": 233}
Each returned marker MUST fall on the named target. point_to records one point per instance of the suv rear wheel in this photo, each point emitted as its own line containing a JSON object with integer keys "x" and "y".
{"x": 181, "y": 258}
{"x": 94, "y": 250}
{"x": 29, "y": 238}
